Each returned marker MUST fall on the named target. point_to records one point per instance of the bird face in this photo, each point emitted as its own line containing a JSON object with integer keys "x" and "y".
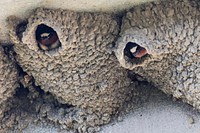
{"x": 138, "y": 52}
{"x": 47, "y": 38}
{"x": 133, "y": 50}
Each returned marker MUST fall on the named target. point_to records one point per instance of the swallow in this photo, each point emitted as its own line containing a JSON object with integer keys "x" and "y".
{"x": 133, "y": 50}
{"x": 47, "y": 38}
{"x": 139, "y": 52}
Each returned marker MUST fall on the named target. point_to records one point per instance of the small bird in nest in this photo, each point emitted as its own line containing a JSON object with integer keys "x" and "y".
{"x": 133, "y": 50}
{"x": 47, "y": 38}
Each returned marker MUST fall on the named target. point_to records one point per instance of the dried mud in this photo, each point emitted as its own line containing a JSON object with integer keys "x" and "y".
{"x": 87, "y": 80}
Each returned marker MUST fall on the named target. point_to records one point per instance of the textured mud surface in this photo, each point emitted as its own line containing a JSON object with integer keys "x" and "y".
{"x": 169, "y": 31}
{"x": 34, "y": 107}
{"x": 69, "y": 76}
{"x": 78, "y": 69}
{"x": 81, "y": 71}
{"x": 8, "y": 79}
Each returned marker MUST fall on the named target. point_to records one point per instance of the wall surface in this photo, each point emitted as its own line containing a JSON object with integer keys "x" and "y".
{"x": 158, "y": 113}
{"x": 22, "y": 8}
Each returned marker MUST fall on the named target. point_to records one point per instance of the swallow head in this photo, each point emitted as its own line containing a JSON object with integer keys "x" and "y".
{"x": 133, "y": 50}
{"x": 47, "y": 38}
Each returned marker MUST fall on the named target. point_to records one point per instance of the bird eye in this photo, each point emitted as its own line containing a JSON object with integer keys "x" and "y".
{"x": 47, "y": 38}
{"x": 133, "y": 50}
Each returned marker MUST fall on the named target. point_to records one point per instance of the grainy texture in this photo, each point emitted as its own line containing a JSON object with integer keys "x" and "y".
{"x": 8, "y": 80}
{"x": 82, "y": 72}
{"x": 170, "y": 31}
{"x": 23, "y": 8}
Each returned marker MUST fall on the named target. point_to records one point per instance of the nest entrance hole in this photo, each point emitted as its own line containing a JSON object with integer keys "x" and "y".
{"x": 47, "y": 38}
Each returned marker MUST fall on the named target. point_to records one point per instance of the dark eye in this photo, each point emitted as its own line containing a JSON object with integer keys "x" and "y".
{"x": 47, "y": 38}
